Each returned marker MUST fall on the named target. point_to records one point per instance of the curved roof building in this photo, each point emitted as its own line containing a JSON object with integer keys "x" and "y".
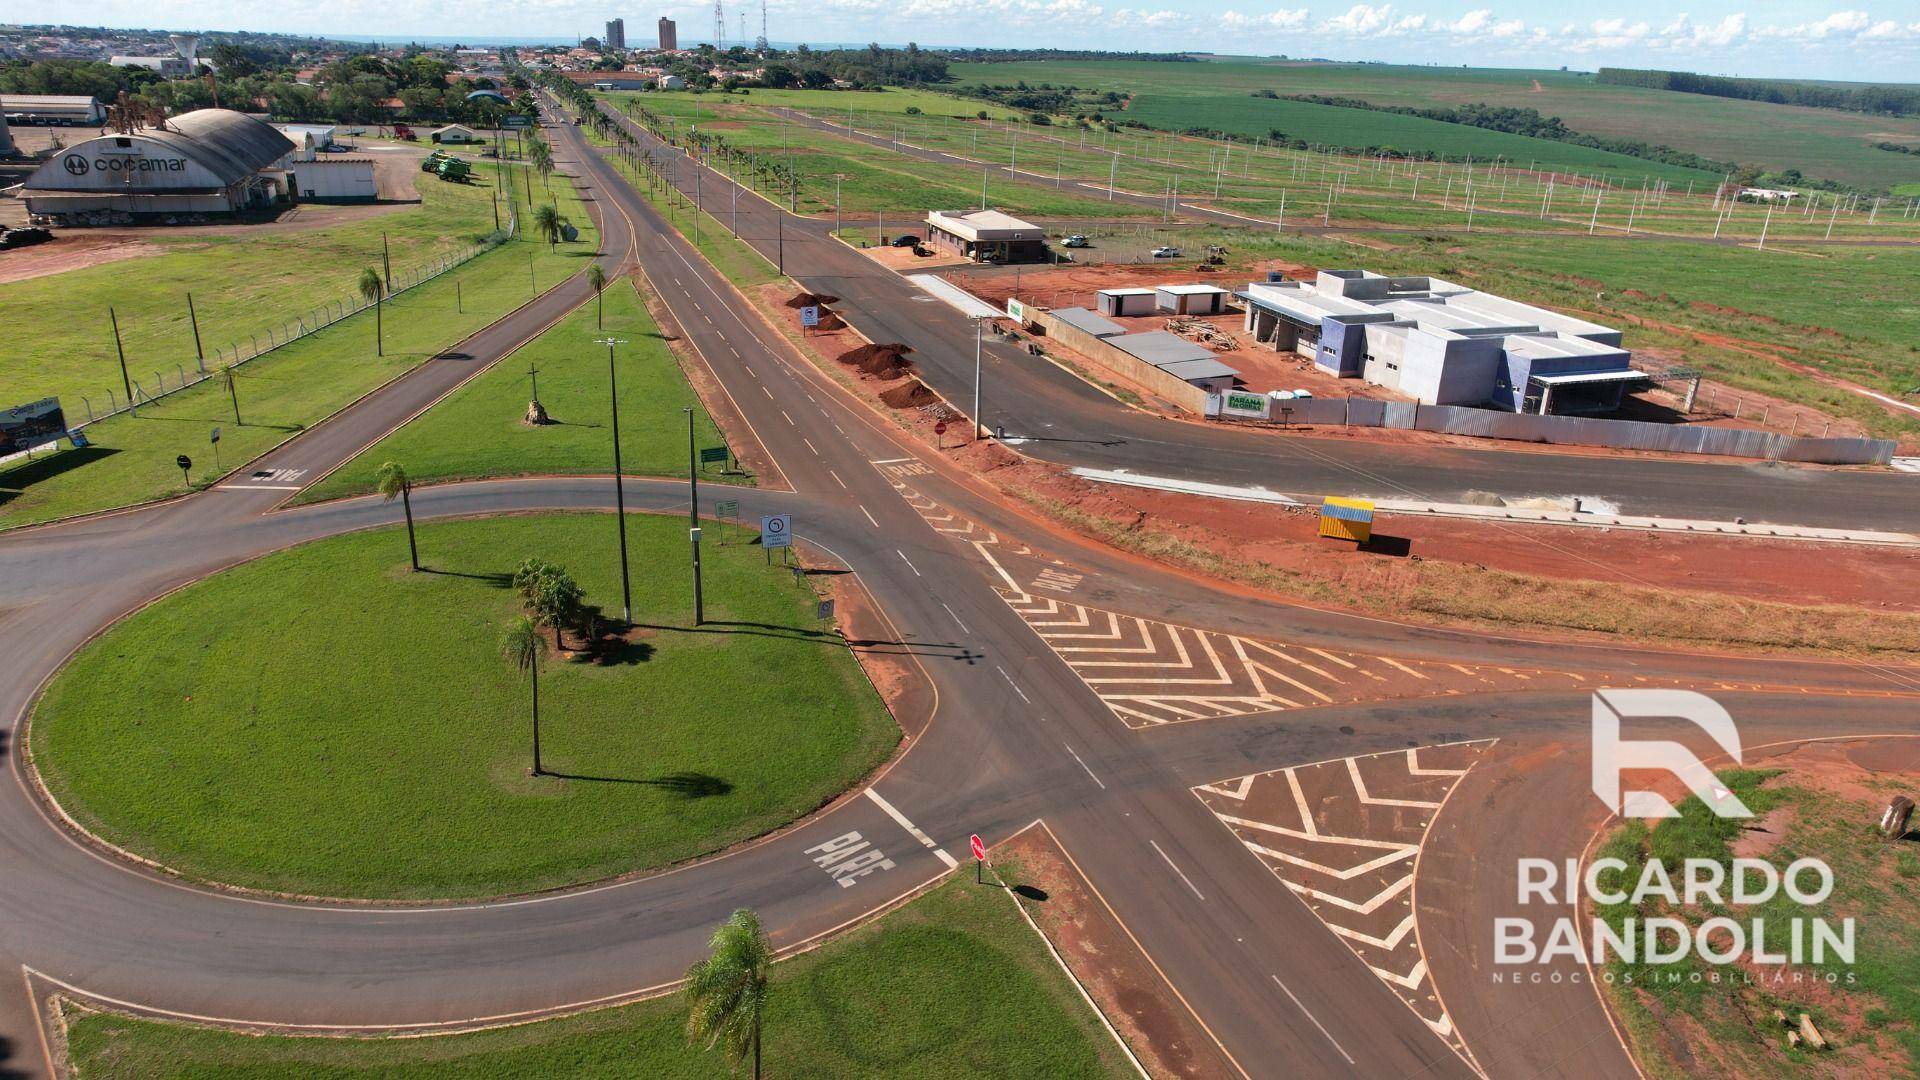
{"x": 206, "y": 161}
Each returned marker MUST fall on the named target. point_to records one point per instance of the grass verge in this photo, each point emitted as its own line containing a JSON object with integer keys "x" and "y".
{"x": 480, "y": 429}
{"x": 1687, "y": 1015}
{"x": 383, "y": 750}
{"x": 954, "y": 983}
{"x": 287, "y": 390}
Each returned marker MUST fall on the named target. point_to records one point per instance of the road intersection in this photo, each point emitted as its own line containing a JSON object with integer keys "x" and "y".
{"x": 1017, "y": 732}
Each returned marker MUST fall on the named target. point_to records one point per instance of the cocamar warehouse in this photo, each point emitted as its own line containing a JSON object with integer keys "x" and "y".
{"x": 211, "y": 161}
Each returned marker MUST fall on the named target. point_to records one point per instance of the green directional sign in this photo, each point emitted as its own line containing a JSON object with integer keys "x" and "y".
{"x": 711, "y": 454}
{"x": 727, "y": 509}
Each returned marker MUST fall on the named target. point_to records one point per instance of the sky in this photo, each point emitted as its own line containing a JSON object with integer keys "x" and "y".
{"x": 1798, "y": 38}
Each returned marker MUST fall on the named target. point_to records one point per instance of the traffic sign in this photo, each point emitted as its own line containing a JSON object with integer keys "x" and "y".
{"x": 810, "y": 315}
{"x": 711, "y": 454}
{"x": 215, "y": 437}
{"x": 184, "y": 462}
{"x": 940, "y": 427}
{"x": 776, "y": 530}
{"x": 727, "y": 508}
{"x": 978, "y": 845}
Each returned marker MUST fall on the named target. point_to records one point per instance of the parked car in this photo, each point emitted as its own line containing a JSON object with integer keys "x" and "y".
{"x": 1076, "y": 241}
{"x": 356, "y": 131}
{"x": 1166, "y": 253}
{"x": 906, "y": 240}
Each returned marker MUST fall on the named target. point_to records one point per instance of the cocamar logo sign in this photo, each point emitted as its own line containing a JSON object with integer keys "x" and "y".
{"x": 76, "y": 164}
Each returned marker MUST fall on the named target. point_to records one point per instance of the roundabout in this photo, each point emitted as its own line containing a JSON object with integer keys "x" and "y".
{"x": 380, "y": 750}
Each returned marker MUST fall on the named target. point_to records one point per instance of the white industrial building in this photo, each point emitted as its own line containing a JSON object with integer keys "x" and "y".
{"x": 310, "y": 136}
{"x": 210, "y": 161}
{"x": 986, "y": 236}
{"x": 1442, "y": 343}
{"x": 57, "y": 109}
{"x": 172, "y": 67}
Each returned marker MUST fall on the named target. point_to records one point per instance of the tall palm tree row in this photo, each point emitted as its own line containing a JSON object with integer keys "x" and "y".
{"x": 372, "y": 288}
{"x": 391, "y": 480}
{"x": 727, "y": 992}
{"x": 524, "y": 646}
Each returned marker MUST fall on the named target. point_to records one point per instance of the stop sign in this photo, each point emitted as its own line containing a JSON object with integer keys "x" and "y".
{"x": 940, "y": 427}
{"x": 979, "y": 847}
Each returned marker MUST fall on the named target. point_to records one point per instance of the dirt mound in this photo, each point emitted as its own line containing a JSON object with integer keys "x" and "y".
{"x": 912, "y": 394}
{"x": 807, "y": 299}
{"x": 880, "y": 361}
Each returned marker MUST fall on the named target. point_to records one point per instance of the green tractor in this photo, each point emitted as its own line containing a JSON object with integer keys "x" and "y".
{"x": 431, "y": 163}
{"x": 455, "y": 171}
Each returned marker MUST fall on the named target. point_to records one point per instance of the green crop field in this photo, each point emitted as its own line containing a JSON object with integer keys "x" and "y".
{"x": 954, "y": 983}
{"x": 132, "y": 457}
{"x": 480, "y": 429}
{"x": 387, "y": 755}
{"x": 1819, "y": 142}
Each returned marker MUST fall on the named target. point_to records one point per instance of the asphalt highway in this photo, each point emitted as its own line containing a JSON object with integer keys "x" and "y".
{"x": 1018, "y": 734}
{"x": 1062, "y": 419}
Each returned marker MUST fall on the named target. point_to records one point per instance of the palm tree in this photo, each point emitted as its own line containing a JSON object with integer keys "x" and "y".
{"x": 727, "y": 992}
{"x": 546, "y": 223}
{"x": 542, "y": 157}
{"x": 391, "y": 480}
{"x": 596, "y": 280}
{"x": 372, "y": 288}
{"x": 523, "y": 646}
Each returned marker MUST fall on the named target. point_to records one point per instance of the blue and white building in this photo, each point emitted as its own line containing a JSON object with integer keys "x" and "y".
{"x": 1443, "y": 344}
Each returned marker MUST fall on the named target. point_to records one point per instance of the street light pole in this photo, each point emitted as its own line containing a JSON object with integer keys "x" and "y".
{"x": 693, "y": 517}
{"x": 619, "y": 487}
{"x": 979, "y": 424}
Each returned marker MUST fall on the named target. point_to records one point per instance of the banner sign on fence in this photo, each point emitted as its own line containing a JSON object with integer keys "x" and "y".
{"x": 1248, "y": 406}
{"x": 33, "y": 424}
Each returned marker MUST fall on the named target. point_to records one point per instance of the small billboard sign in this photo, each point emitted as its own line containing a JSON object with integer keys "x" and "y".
{"x": 711, "y": 454}
{"x": 1245, "y": 405}
{"x": 36, "y": 423}
{"x": 776, "y": 531}
{"x": 1016, "y": 309}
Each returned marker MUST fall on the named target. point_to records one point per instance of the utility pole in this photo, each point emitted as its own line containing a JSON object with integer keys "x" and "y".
{"x": 693, "y": 516}
{"x": 193, "y": 317}
{"x": 619, "y": 486}
{"x": 979, "y": 424}
{"x": 127, "y": 384}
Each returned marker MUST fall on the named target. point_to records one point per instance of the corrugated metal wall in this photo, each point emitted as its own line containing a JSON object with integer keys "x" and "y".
{"x": 1591, "y": 431}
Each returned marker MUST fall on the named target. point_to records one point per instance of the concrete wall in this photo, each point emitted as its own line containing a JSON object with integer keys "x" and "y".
{"x": 1341, "y": 347}
{"x": 1446, "y": 371}
{"x": 1181, "y": 393}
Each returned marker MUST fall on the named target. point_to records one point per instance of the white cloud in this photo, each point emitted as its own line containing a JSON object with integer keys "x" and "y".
{"x": 1361, "y": 19}
{"x": 1280, "y": 19}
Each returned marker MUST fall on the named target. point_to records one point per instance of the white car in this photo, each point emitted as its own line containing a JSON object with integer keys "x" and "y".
{"x": 1166, "y": 253}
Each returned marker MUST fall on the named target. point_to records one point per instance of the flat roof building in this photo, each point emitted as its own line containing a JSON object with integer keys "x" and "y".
{"x": 616, "y": 34}
{"x": 52, "y": 109}
{"x": 987, "y": 236}
{"x": 1178, "y": 357}
{"x": 1089, "y": 322}
{"x": 1442, "y": 343}
{"x": 669, "y": 35}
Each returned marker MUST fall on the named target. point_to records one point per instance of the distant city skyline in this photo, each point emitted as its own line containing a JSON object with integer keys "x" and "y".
{"x": 1786, "y": 39}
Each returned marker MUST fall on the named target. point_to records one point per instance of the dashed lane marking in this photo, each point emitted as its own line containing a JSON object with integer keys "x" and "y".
{"x": 912, "y": 829}
{"x": 1344, "y": 836}
{"x": 870, "y": 520}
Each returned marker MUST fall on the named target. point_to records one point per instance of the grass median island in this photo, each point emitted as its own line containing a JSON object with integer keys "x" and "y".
{"x": 954, "y": 983}
{"x": 481, "y": 429}
{"x": 132, "y": 457}
{"x": 381, "y": 749}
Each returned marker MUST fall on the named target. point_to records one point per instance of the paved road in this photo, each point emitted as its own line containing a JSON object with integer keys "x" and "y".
{"x": 1066, "y": 421}
{"x": 1023, "y": 732}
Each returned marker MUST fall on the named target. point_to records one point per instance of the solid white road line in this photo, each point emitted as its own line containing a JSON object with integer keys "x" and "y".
{"x": 956, "y": 618}
{"x": 1095, "y": 779}
{"x": 1316, "y": 1020}
{"x": 259, "y": 487}
{"x": 870, "y": 520}
{"x": 914, "y": 830}
{"x": 909, "y": 562}
{"x": 890, "y": 461}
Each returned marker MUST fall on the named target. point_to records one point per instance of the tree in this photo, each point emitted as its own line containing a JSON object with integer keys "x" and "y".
{"x": 523, "y": 647}
{"x": 541, "y": 155}
{"x": 391, "y": 481}
{"x": 727, "y": 992}
{"x": 596, "y": 280}
{"x": 528, "y": 576}
{"x": 372, "y": 288}
{"x": 546, "y": 224}
{"x": 558, "y": 600}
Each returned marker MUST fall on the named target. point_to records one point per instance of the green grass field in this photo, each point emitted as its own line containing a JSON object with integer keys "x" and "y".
{"x": 132, "y": 457}
{"x": 480, "y": 429}
{"x": 1819, "y": 142}
{"x": 382, "y": 748}
{"x": 873, "y": 179}
{"x": 1870, "y": 1012}
{"x": 954, "y": 983}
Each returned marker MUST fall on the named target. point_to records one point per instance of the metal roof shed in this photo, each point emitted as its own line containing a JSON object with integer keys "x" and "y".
{"x": 1081, "y": 319}
{"x": 1159, "y": 348}
{"x": 1126, "y": 301}
{"x": 1190, "y": 299}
